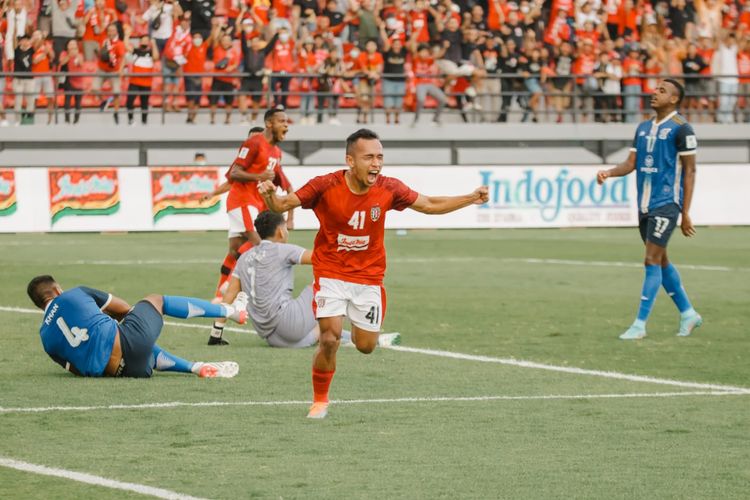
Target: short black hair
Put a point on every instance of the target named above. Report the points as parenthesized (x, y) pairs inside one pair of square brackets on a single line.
[(38, 288), (256, 130), (267, 222), (269, 114), (679, 87), (363, 133)]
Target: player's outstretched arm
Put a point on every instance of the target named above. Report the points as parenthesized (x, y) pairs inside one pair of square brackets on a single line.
[(688, 169), (435, 205), (276, 203), (623, 168), (220, 189), (239, 174), (117, 308)]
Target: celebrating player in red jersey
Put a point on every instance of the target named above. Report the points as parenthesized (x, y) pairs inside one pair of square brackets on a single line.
[(349, 256), (258, 159)]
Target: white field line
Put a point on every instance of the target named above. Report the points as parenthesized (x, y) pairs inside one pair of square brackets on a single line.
[(434, 399), (502, 361), (95, 480), (572, 370), (417, 260)]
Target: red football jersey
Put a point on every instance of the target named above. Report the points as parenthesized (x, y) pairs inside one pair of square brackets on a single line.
[(255, 155), (349, 244)]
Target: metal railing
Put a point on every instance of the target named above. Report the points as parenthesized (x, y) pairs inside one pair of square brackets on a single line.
[(577, 100)]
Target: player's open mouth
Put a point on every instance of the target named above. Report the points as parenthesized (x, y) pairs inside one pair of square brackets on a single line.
[(372, 175)]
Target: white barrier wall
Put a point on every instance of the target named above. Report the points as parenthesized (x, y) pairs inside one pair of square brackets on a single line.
[(166, 199)]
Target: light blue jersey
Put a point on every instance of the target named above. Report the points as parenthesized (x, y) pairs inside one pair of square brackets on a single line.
[(657, 148), (76, 332)]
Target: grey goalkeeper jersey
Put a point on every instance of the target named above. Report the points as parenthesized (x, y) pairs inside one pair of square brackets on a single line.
[(267, 276)]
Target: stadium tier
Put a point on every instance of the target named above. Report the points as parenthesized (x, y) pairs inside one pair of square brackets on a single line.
[(370, 60)]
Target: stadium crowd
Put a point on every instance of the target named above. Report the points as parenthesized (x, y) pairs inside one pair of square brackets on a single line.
[(550, 60)]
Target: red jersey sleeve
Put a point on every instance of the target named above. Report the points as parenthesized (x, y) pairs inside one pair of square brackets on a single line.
[(310, 193), (281, 179), (247, 154), (403, 195)]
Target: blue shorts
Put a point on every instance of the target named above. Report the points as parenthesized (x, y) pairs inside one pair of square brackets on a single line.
[(657, 225), (138, 333), (533, 86)]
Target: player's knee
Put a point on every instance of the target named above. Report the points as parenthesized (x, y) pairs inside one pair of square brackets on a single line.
[(328, 341), (366, 347), (156, 300)]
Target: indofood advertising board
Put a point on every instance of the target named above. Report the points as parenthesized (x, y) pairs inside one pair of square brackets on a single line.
[(170, 198)]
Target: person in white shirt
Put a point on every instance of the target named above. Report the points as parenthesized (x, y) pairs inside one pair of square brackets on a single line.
[(724, 66)]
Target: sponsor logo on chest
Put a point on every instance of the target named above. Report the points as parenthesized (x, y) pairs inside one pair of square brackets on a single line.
[(348, 243)]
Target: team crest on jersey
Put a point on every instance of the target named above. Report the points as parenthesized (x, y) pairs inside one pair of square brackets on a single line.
[(374, 213), (664, 133), (649, 161)]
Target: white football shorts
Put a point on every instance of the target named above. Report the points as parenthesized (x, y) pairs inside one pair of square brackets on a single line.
[(364, 305), (241, 220)]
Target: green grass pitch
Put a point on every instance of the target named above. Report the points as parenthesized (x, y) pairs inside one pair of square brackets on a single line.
[(559, 297)]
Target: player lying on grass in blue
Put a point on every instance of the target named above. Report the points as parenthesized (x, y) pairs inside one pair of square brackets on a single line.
[(80, 330), (266, 274)]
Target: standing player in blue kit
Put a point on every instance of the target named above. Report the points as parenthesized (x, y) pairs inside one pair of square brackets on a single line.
[(663, 156)]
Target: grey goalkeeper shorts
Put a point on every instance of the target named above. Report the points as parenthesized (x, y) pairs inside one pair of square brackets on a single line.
[(297, 324)]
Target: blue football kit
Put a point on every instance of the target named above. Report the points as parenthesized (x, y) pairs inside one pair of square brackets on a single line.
[(76, 332), (658, 147)]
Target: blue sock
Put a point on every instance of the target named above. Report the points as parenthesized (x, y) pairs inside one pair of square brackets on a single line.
[(190, 307), (166, 362), (651, 285), (673, 285)]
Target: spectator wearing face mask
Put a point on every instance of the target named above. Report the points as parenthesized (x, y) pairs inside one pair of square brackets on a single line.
[(282, 64), (226, 61), (195, 63), (142, 59)]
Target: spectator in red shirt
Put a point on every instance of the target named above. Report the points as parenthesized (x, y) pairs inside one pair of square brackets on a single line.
[(111, 60), (282, 64), (142, 57), (174, 59), (425, 73), (369, 67), (41, 63), (71, 61), (96, 22), (226, 60), (632, 67), (195, 63)]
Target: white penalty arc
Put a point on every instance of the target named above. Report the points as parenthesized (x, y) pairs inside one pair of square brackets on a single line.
[(82, 477)]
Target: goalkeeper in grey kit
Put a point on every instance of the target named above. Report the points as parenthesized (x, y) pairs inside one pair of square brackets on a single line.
[(266, 274)]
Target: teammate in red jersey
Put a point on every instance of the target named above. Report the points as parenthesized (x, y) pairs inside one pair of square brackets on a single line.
[(349, 256), (258, 159)]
